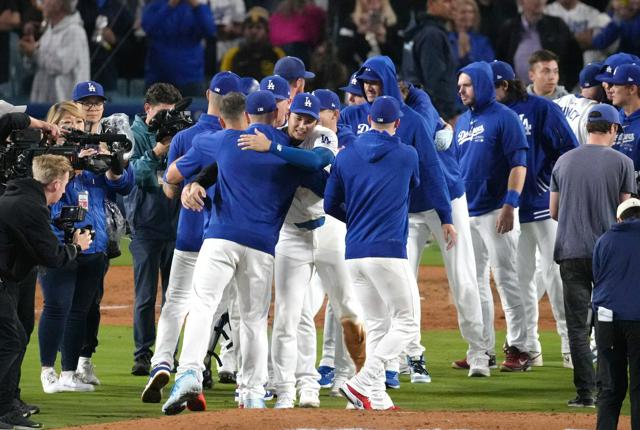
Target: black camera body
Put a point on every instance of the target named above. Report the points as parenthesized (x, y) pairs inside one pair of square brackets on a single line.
[(167, 123), (69, 215)]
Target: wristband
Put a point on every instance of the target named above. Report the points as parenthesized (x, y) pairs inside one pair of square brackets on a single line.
[(512, 199)]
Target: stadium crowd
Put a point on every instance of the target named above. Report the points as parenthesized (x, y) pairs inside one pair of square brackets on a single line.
[(519, 157)]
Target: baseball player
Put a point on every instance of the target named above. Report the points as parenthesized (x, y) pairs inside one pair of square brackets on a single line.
[(293, 70), (610, 64), (492, 152), (281, 91), (549, 136), (378, 77), (369, 190), (353, 91), (253, 193), (309, 243)]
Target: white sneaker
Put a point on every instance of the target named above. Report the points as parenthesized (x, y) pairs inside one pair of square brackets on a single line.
[(87, 372), (49, 379), (566, 360), (479, 367), (70, 381), (309, 399), (535, 357), (335, 388), (285, 401)]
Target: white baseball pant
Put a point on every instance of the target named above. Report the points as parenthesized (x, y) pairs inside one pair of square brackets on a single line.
[(219, 262), (306, 374), (540, 236), (328, 336), (461, 273), (498, 252)]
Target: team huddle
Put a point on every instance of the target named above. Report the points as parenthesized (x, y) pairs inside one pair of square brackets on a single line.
[(282, 186)]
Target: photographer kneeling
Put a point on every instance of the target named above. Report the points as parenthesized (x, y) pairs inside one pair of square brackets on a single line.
[(70, 291), (26, 240)]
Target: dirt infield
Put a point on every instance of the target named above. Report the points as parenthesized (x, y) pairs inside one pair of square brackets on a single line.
[(310, 419)]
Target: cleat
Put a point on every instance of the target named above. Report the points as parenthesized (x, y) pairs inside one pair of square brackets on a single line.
[(327, 376), (581, 402), (461, 364), (159, 377), (226, 377), (392, 379), (515, 361), (535, 357), (186, 389), (197, 404), (254, 404), (419, 372), (356, 398), (309, 399), (285, 401)]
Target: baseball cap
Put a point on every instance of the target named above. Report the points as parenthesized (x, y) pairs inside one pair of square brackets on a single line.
[(588, 75), (87, 89), (502, 71), (613, 61), (305, 103), (277, 85), (260, 102), (627, 204), (225, 82), (604, 112), (328, 99), (385, 109), (366, 74), (625, 74), (292, 68), (6, 108), (249, 85), (353, 87)]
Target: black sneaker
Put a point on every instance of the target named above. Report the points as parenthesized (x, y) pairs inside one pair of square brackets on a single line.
[(141, 366), (17, 421), (226, 377), (581, 402), (26, 409), (207, 377), (493, 364)]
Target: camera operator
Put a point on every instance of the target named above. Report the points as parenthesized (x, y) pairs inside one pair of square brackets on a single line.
[(13, 118), (26, 240), (70, 291)]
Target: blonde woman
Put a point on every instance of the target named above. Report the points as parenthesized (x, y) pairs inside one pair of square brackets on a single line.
[(66, 115), (466, 42)]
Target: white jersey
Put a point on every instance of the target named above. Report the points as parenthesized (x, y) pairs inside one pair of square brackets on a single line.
[(576, 110), (306, 205)]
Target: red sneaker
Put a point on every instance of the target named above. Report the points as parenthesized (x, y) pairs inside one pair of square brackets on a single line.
[(357, 399), (515, 361), (461, 364), (197, 404)]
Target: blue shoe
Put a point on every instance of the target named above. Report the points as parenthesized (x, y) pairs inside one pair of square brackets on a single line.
[(392, 379), (186, 388), (327, 375), (254, 404)]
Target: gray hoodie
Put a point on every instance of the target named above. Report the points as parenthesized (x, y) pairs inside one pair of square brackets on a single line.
[(61, 60), (559, 92)]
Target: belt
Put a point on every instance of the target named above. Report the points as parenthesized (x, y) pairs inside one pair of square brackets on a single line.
[(310, 225)]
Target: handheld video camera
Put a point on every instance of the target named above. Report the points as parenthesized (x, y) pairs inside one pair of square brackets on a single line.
[(69, 215), (167, 123)]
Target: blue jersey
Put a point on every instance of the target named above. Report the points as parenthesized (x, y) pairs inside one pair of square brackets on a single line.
[(369, 189), (190, 223), (549, 136), (628, 141), (345, 136), (490, 142), (432, 193)]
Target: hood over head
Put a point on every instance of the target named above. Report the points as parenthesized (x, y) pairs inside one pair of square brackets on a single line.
[(382, 67), (482, 79)]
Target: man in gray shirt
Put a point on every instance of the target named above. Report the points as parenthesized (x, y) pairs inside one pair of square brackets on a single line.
[(587, 184)]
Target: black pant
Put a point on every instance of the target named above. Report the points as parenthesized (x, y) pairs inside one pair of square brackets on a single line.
[(13, 344), (577, 282), (93, 319), (618, 349), (24, 295)]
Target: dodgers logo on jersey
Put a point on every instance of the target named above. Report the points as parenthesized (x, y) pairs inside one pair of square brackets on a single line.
[(307, 102), (526, 124), (475, 134), (362, 128), (324, 139), (270, 85)]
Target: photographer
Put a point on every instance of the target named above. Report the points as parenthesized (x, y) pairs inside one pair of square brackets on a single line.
[(13, 118), (70, 291), (26, 240)]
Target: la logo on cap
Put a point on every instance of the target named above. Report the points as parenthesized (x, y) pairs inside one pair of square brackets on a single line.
[(270, 85), (629, 79), (608, 69), (354, 81), (260, 109), (499, 76), (216, 89), (92, 87), (307, 102)]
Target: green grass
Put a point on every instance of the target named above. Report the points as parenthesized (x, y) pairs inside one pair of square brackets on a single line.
[(544, 389), (431, 255), (125, 258)]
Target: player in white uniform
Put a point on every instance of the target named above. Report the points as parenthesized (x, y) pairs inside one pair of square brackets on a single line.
[(309, 242)]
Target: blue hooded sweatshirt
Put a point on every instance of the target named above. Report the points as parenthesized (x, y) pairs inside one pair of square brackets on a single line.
[(616, 271), (368, 188), (490, 141), (549, 136), (628, 142), (432, 192), (190, 223), (345, 136)]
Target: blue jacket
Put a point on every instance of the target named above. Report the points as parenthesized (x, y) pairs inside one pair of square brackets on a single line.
[(345, 136), (481, 49), (368, 188), (175, 52), (99, 189), (432, 192), (616, 271), (549, 136), (190, 223), (628, 31), (628, 141), (150, 214), (490, 141)]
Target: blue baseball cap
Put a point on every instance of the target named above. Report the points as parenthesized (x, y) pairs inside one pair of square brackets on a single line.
[(277, 85), (291, 68), (260, 102), (588, 74), (613, 61), (385, 109), (625, 74), (604, 112), (328, 99), (502, 71), (353, 87), (367, 74), (305, 103), (225, 82), (249, 85), (87, 89)]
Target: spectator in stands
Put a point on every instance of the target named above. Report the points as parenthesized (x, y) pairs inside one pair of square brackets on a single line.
[(544, 74), (228, 15), (297, 26), (624, 27), (108, 23), (580, 18), (370, 30), (255, 57), (61, 56), (493, 14), (469, 45), (329, 70), (532, 31), (9, 21), (175, 53)]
